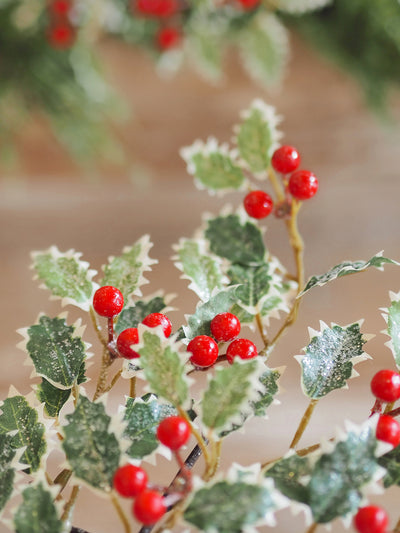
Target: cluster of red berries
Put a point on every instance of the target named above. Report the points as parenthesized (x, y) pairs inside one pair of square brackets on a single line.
[(249, 5), (385, 386), (131, 481), (61, 34), (168, 35), (224, 327), (300, 184)]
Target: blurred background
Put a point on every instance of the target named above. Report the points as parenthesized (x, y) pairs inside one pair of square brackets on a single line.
[(90, 161)]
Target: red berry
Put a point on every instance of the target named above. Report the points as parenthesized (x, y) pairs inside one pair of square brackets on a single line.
[(60, 7), (285, 159), (168, 38), (225, 327), (156, 8), (149, 507), (249, 4), (130, 480), (173, 432), (385, 385), (124, 343), (371, 519), (61, 36), (388, 430), (204, 350), (108, 301), (258, 204), (303, 184), (243, 348), (158, 319)]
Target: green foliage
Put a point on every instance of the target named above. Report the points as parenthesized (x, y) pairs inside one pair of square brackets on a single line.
[(131, 317), (289, 474), (269, 381), (37, 512), (52, 397), (391, 462), (7, 472), (392, 317)]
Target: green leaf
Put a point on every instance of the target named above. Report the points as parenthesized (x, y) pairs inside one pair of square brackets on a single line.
[(131, 317), (254, 283), (215, 507), (269, 381), (37, 512), (301, 6), (213, 166), (66, 276), (391, 462), (237, 242), (142, 416), (330, 358), (56, 350), (203, 270), (126, 271), (206, 47), (226, 399), (22, 419), (340, 477), (199, 322), (258, 136), (52, 397), (92, 449), (346, 268), (287, 475), (7, 472), (264, 47), (163, 367), (392, 317)]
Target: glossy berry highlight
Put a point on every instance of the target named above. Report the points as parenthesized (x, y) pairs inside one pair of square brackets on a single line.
[(388, 430), (130, 480), (204, 351), (108, 301), (371, 519), (158, 319), (173, 432), (149, 507), (285, 159), (243, 348), (303, 185), (225, 327), (258, 204), (125, 340), (385, 385)]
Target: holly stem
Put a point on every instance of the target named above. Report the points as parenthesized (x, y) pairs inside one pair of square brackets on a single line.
[(62, 479), (312, 528), (132, 387), (114, 381), (215, 460), (389, 407), (261, 329), (301, 453), (276, 185), (200, 440), (69, 506), (394, 412), (97, 326), (102, 379), (110, 329), (120, 513), (303, 423), (377, 407), (397, 527)]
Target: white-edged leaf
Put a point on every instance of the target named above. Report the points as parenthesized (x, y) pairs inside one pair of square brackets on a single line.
[(301, 6), (130, 317), (392, 318), (7, 471)]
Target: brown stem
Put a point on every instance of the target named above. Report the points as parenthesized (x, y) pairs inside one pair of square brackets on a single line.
[(200, 440), (132, 387), (261, 329), (68, 507), (120, 512), (389, 407), (110, 329), (276, 185), (62, 479), (303, 423), (102, 379), (97, 327), (397, 527), (114, 381), (312, 528), (394, 412)]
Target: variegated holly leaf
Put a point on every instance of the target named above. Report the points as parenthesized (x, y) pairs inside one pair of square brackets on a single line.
[(341, 476), (301, 6), (234, 504), (291, 476), (130, 317), (22, 420), (269, 305), (258, 136), (254, 283), (269, 382), (66, 276), (392, 317), (52, 397), (163, 366), (391, 462), (346, 268), (126, 271), (213, 166), (198, 266), (330, 359), (199, 322), (91, 447), (7, 471), (38, 512), (229, 393), (142, 417), (238, 242), (56, 350), (264, 47)]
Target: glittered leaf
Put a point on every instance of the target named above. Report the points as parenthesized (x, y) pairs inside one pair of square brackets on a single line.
[(257, 136), (287, 474), (203, 270), (301, 6), (330, 358), (238, 242), (255, 283), (142, 416), (130, 317), (163, 368), (346, 268), (37, 512), (92, 449), (66, 276), (269, 381), (229, 393), (392, 317), (205, 47), (391, 461), (7, 472), (56, 353), (20, 418), (213, 166), (52, 397), (126, 271), (339, 477)]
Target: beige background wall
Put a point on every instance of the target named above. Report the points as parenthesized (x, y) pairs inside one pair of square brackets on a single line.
[(51, 201)]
